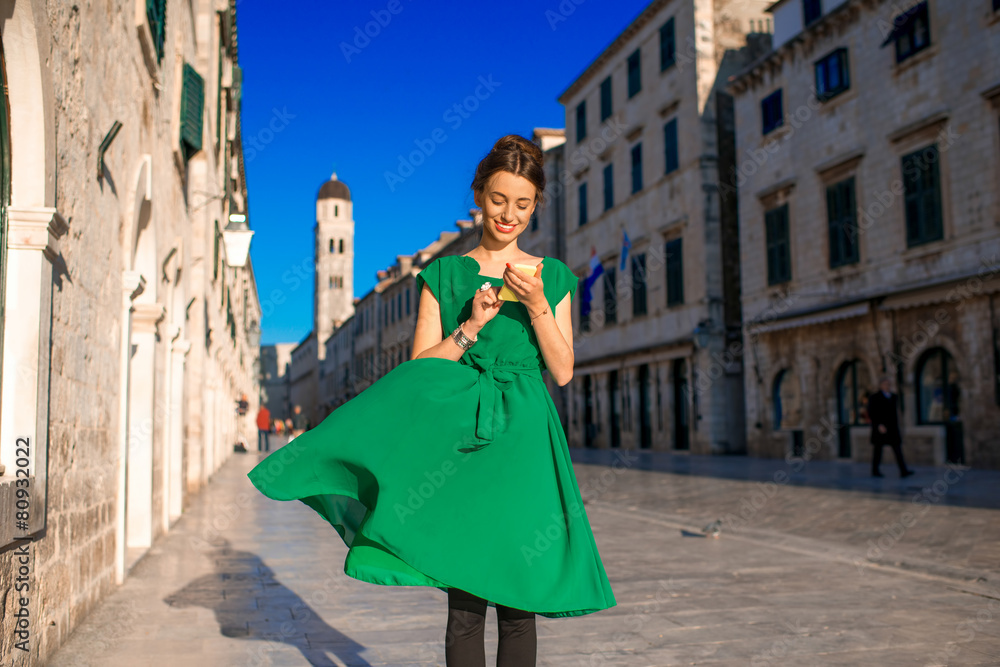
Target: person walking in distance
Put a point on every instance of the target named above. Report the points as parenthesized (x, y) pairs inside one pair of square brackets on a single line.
[(263, 428), (884, 413), (452, 469), (299, 421)]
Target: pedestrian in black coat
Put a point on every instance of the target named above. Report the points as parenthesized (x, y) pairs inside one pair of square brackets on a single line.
[(883, 411)]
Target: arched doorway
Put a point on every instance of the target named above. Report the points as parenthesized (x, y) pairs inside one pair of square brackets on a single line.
[(614, 398), (645, 409), (787, 402), (852, 403), (939, 399), (4, 192), (682, 421), (140, 315)]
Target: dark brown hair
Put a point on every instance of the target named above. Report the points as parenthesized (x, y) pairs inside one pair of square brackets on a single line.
[(516, 155)]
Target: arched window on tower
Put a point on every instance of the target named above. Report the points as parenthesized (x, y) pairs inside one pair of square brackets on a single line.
[(336, 210), (342, 246), (331, 245)]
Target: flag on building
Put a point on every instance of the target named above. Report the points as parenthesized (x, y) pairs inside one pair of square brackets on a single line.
[(596, 270), (626, 244)]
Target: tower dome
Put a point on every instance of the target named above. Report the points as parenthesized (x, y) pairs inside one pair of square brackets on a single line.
[(334, 189)]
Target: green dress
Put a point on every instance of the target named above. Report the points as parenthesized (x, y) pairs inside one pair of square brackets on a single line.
[(456, 473)]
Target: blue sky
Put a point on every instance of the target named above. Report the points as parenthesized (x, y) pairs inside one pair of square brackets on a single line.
[(312, 107)]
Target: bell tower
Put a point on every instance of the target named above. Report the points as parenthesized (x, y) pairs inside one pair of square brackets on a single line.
[(334, 292)]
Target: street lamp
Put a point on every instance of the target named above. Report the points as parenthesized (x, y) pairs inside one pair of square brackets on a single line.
[(236, 236)]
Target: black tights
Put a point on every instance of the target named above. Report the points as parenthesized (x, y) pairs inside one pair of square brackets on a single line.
[(464, 646)]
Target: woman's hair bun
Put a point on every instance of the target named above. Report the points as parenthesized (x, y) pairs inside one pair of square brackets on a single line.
[(514, 154)]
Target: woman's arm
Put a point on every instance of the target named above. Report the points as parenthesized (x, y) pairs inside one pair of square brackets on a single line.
[(555, 338), (428, 338)]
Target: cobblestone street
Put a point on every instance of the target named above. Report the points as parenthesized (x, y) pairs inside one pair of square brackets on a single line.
[(813, 566)]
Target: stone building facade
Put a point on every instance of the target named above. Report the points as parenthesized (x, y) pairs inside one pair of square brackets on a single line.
[(868, 174), (130, 313), (275, 381), (648, 132)]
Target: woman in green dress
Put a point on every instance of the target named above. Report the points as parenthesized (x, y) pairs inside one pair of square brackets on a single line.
[(452, 470)]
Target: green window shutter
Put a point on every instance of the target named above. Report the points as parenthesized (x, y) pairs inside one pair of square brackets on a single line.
[(779, 261), (675, 272), (606, 98), (192, 111), (237, 84), (156, 15), (922, 196), (842, 222)]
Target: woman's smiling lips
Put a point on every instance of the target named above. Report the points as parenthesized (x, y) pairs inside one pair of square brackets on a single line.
[(504, 228)]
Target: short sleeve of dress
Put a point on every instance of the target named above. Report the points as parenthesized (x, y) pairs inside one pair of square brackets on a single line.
[(431, 274), (570, 280), (560, 280)]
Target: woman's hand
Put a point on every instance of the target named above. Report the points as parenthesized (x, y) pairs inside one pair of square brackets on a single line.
[(530, 290), (485, 305)]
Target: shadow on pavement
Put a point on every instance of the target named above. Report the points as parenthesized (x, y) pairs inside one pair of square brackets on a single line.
[(250, 603)]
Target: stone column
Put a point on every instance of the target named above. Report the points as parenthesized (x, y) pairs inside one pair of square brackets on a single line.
[(175, 490), (133, 285), (32, 248), (139, 483)]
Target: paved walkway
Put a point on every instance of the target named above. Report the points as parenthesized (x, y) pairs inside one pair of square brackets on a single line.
[(799, 575)]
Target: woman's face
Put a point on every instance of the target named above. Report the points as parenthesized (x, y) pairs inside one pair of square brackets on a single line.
[(507, 203)]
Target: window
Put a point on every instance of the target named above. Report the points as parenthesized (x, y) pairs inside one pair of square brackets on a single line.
[(771, 111), (609, 187), (192, 105), (331, 282), (911, 32), (675, 272), (583, 203), (832, 77), (634, 78), (636, 168), (331, 245), (341, 246), (812, 10), (639, 284), (670, 146), (336, 210), (668, 45), (610, 297), (581, 120), (605, 99), (779, 259), (922, 194), (842, 221), (938, 392), (156, 15)]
